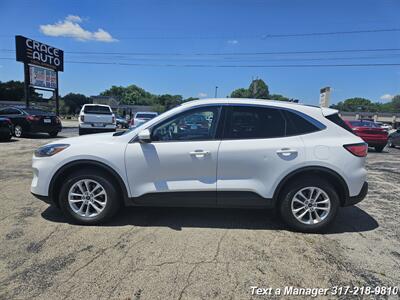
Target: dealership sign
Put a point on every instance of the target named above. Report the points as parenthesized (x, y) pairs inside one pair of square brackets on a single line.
[(33, 52), (42, 77)]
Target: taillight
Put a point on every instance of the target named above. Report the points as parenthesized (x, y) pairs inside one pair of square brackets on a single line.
[(9, 121), (133, 121), (82, 118), (113, 120), (58, 120), (32, 118), (359, 150)]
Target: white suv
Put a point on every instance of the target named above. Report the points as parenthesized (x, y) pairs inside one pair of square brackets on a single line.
[(95, 118), (302, 160)]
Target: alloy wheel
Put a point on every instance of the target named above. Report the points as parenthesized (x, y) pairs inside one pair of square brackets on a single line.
[(311, 205), (18, 131), (87, 198)]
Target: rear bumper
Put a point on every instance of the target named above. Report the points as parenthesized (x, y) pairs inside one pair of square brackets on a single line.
[(45, 128), (373, 141), (358, 198)]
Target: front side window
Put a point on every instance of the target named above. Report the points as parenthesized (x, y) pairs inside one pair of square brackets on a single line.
[(196, 124), (247, 122)]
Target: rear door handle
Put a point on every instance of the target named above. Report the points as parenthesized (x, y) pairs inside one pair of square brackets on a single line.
[(199, 153), (286, 151)]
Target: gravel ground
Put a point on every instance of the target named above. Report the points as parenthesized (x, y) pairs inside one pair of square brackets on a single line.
[(165, 253)]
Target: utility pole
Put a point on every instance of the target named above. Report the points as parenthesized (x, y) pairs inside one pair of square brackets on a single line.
[(216, 92)]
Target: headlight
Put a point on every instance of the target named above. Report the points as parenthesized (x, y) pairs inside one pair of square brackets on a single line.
[(50, 150)]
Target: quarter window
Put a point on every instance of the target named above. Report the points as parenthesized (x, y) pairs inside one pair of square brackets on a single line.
[(196, 124), (296, 124)]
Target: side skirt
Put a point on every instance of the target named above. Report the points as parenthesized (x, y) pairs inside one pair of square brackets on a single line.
[(232, 199)]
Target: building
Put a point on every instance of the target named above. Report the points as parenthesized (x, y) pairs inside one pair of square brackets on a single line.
[(384, 117)]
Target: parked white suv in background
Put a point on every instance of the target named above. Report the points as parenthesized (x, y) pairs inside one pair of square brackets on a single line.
[(141, 118), (94, 118), (302, 160)]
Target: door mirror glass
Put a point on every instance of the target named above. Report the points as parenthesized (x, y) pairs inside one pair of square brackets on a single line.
[(144, 136)]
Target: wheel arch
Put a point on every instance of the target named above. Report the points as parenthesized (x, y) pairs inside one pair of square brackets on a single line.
[(69, 168), (312, 171)]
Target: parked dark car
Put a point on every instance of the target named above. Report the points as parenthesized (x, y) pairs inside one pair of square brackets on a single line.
[(31, 120), (371, 133), (394, 139), (6, 129), (121, 121)]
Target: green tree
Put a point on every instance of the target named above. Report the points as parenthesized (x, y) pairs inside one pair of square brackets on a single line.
[(240, 93), (395, 103), (74, 102), (278, 97), (169, 101), (355, 104), (258, 89)]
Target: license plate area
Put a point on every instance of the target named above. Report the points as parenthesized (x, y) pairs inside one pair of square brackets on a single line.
[(47, 121), (98, 124)]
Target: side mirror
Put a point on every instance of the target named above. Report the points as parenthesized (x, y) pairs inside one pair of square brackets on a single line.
[(144, 136)]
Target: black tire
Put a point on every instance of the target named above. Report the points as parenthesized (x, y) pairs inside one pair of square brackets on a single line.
[(112, 204), (379, 148), (18, 131), (53, 134), (290, 191)]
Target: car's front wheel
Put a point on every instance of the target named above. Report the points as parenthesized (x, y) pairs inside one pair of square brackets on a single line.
[(89, 197), (309, 205)]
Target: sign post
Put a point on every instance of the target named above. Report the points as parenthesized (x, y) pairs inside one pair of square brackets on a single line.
[(324, 96), (41, 66)]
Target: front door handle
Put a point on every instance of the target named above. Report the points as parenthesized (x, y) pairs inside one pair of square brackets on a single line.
[(199, 153)]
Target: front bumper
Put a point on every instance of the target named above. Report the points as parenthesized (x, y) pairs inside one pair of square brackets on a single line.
[(45, 199), (358, 198)]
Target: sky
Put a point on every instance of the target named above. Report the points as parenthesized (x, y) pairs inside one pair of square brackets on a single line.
[(190, 47)]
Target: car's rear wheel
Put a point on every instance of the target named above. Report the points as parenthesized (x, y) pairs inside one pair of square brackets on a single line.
[(53, 133), (18, 131), (309, 205), (379, 148), (89, 197)]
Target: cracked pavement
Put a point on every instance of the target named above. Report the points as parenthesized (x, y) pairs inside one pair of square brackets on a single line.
[(180, 253)]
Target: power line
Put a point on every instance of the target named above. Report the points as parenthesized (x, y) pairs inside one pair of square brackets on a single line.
[(229, 66), (260, 36), (227, 53)]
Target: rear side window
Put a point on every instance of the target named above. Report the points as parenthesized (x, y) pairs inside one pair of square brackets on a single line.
[(97, 109), (339, 121), (246, 122), (296, 124)]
